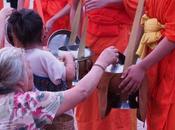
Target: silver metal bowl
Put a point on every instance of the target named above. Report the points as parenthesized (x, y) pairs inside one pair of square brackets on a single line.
[(58, 39), (73, 49)]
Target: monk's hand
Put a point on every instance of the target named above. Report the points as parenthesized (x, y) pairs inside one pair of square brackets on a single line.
[(95, 4), (132, 79), (49, 25), (5, 12)]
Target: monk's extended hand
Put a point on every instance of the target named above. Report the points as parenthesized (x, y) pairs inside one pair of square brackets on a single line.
[(95, 4), (132, 79)]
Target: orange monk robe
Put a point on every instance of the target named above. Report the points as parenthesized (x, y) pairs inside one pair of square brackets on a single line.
[(1, 4), (48, 8), (107, 26), (161, 102)]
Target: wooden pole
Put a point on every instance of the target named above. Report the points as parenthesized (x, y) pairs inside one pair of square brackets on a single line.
[(135, 36)]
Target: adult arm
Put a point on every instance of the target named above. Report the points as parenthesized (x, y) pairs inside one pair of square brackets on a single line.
[(58, 15), (87, 85), (133, 77)]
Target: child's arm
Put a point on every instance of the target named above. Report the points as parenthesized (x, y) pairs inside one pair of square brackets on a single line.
[(58, 15), (134, 75), (70, 66)]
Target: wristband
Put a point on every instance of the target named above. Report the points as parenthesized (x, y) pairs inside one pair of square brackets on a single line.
[(103, 68)]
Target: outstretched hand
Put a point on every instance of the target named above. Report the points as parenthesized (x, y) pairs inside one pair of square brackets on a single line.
[(132, 79), (108, 56)]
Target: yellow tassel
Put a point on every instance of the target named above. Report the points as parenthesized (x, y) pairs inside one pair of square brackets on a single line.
[(152, 34)]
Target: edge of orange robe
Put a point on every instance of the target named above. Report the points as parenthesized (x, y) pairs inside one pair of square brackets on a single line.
[(87, 112), (1, 4), (37, 7), (161, 92)]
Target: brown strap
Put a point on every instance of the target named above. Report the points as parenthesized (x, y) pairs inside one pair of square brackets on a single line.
[(143, 92), (76, 22), (133, 119), (81, 52), (131, 57)]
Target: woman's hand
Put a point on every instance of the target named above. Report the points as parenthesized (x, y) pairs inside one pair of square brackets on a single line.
[(108, 56), (5, 12), (132, 79)]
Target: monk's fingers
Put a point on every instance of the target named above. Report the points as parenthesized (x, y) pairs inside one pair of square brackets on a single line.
[(90, 7), (91, 4), (86, 2), (124, 74), (132, 88), (124, 82), (136, 88), (128, 87)]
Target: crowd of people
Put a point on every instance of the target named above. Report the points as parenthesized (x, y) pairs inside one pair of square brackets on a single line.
[(34, 84)]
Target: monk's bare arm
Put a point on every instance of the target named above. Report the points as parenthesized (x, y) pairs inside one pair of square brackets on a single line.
[(164, 48), (134, 76), (62, 12), (58, 15), (20, 4)]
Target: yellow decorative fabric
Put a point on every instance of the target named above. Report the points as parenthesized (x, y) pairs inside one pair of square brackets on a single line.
[(152, 34)]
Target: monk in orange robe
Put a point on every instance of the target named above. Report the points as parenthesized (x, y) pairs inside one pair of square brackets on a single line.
[(55, 13), (158, 60), (109, 24)]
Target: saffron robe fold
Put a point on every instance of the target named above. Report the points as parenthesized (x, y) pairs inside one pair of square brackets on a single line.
[(161, 108), (48, 8), (110, 25)]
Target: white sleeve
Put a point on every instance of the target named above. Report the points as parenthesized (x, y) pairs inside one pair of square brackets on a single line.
[(55, 68)]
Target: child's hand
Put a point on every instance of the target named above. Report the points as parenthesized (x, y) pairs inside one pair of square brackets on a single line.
[(6, 12), (132, 79), (66, 57)]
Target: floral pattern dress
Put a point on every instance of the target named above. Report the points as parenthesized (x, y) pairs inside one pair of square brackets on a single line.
[(29, 110)]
